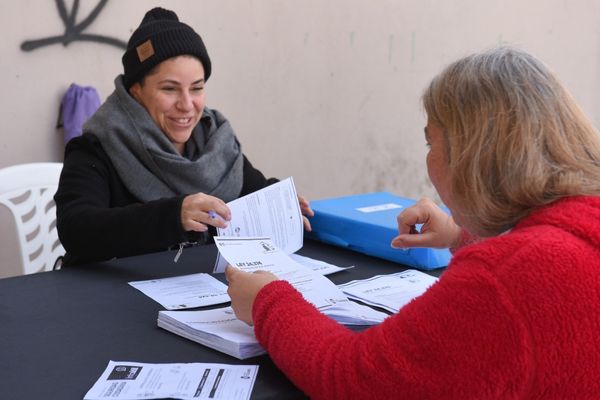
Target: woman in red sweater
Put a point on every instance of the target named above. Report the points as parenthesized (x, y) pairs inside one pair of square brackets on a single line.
[(517, 312)]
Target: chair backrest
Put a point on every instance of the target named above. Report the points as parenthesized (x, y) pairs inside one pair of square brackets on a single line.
[(28, 190)]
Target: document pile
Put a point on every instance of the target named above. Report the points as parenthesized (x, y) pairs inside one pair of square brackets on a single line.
[(218, 329), (390, 292), (251, 254)]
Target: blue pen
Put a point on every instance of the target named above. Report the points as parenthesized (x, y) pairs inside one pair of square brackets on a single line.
[(214, 215)]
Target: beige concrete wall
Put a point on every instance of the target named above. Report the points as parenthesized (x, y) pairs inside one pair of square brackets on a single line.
[(326, 91)]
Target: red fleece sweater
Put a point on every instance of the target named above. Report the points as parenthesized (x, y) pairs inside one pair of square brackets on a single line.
[(513, 317)]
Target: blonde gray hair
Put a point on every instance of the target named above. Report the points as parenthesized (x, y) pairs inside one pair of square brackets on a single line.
[(516, 139)]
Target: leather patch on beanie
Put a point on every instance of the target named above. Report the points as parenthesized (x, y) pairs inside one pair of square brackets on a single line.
[(145, 50)]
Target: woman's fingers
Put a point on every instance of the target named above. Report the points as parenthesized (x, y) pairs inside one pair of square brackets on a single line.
[(438, 228), (199, 210)]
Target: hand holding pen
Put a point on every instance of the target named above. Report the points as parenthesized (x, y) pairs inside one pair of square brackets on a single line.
[(200, 210)]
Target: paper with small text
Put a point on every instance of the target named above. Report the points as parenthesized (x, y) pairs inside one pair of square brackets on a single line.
[(133, 380)]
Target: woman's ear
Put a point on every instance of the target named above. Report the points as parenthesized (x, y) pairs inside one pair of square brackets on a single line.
[(135, 92)]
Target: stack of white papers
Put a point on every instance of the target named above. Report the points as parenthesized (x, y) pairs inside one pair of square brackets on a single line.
[(390, 292), (218, 329)]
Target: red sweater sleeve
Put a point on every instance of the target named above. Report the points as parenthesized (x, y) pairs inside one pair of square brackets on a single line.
[(446, 344)]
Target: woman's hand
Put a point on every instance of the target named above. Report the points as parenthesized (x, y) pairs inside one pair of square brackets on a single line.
[(243, 288), (200, 210), (306, 212), (438, 231)]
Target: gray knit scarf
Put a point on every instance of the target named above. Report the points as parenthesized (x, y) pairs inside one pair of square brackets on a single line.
[(149, 165)]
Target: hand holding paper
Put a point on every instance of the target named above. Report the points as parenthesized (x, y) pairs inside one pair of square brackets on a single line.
[(196, 209), (243, 289)]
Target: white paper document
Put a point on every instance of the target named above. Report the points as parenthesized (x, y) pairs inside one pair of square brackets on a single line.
[(319, 266), (218, 329), (187, 291), (132, 380), (252, 254), (272, 212), (390, 292)]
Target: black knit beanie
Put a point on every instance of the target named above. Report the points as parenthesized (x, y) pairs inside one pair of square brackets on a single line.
[(160, 36)]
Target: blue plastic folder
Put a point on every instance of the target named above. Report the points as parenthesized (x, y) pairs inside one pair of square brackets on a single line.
[(367, 223)]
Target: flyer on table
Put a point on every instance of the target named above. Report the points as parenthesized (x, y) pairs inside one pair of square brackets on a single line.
[(133, 380)]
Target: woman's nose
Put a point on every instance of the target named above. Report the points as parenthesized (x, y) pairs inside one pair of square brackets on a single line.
[(185, 101)]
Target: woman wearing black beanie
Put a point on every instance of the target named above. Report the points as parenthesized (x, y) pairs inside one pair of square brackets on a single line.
[(153, 160)]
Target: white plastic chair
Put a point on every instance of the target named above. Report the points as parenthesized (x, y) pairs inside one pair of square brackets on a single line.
[(28, 190)]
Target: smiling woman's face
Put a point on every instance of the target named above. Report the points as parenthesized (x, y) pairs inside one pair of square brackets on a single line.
[(173, 95)]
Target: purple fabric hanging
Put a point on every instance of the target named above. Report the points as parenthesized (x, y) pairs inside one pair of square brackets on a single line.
[(78, 104)]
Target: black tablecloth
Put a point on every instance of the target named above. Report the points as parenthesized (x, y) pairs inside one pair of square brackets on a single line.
[(58, 330)]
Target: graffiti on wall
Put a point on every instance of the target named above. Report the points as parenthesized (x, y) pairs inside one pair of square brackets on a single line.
[(74, 31)]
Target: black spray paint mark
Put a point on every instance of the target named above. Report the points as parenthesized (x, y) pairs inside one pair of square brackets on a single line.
[(73, 31)]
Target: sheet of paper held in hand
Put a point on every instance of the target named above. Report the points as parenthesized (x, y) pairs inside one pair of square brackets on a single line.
[(390, 292), (133, 380), (260, 253), (187, 291), (270, 212)]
